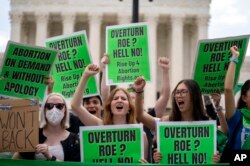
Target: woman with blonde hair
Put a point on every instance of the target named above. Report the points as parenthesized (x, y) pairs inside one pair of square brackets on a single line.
[(55, 142), (118, 108)]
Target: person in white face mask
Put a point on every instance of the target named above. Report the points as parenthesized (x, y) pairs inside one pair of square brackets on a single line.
[(56, 143)]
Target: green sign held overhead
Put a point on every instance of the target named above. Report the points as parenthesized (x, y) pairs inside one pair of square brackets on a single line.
[(128, 50), (112, 144), (24, 69), (186, 143), (213, 57), (74, 56)]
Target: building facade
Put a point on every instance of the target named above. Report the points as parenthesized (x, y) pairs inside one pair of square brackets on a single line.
[(175, 26)]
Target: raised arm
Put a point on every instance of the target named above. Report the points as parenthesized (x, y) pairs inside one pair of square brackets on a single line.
[(161, 103), (223, 123), (76, 103), (105, 89), (142, 116), (221, 116), (50, 84), (229, 82)]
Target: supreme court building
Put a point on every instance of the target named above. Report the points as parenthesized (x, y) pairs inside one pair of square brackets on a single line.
[(174, 29)]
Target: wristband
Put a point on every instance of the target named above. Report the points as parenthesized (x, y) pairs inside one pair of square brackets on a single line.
[(234, 59)]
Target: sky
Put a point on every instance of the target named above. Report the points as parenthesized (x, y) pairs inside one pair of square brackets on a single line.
[(228, 18)]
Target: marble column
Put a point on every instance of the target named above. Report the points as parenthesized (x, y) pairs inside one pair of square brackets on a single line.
[(124, 18), (16, 26), (95, 36), (150, 90), (202, 26), (193, 47), (41, 28), (68, 20), (176, 50), (95, 21)]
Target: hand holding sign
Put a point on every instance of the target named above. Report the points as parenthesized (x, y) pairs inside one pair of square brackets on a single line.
[(43, 148), (216, 157), (157, 157)]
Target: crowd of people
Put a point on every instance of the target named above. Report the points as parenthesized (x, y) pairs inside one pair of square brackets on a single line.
[(59, 127)]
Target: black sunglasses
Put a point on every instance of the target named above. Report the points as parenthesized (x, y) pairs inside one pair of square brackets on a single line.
[(59, 106)]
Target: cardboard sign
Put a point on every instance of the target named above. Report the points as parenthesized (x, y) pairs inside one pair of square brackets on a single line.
[(185, 143), (74, 56), (213, 58), (128, 50), (18, 125), (24, 69), (112, 144)]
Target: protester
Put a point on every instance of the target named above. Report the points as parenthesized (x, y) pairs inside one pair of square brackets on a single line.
[(160, 106), (238, 118), (119, 108), (187, 105), (55, 142), (93, 104), (161, 103)]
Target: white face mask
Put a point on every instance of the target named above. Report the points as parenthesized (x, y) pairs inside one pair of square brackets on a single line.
[(54, 116)]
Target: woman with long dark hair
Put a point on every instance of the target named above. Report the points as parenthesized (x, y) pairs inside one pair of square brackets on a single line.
[(187, 105)]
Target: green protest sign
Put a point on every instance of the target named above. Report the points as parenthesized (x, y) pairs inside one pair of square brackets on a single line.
[(74, 56), (184, 143), (213, 57), (112, 144), (238, 88), (23, 70), (127, 47)]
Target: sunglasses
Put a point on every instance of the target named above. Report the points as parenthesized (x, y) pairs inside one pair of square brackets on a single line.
[(59, 106)]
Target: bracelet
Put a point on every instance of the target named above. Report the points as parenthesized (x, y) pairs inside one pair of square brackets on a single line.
[(234, 59), (139, 91)]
